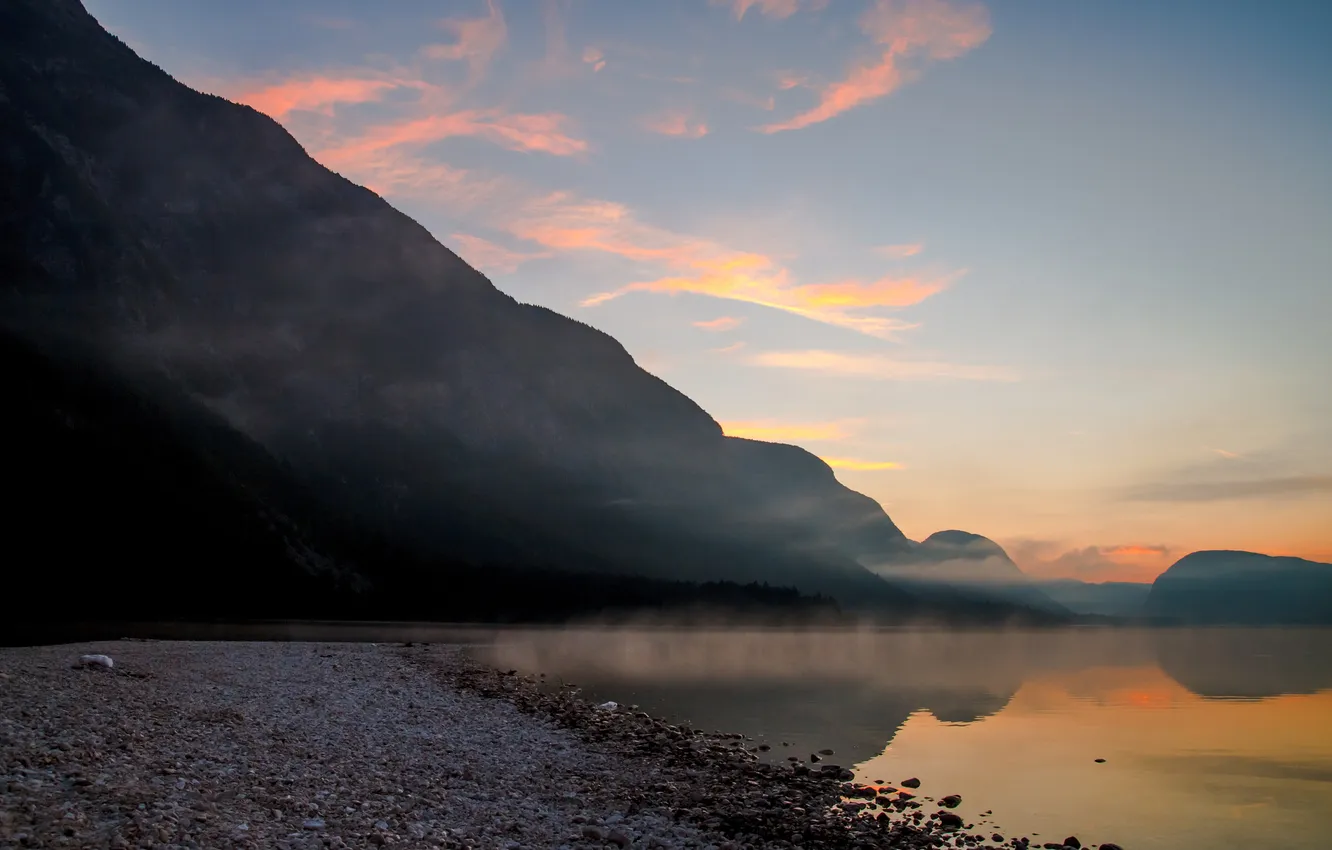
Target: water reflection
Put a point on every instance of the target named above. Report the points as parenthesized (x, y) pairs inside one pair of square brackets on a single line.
[(1209, 737)]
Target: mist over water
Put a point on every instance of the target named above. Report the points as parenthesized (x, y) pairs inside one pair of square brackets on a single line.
[(1211, 737)]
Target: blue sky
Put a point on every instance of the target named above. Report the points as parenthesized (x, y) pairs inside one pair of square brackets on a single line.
[(1054, 272)]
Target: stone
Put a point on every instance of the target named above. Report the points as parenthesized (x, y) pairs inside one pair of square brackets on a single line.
[(913, 782), (1072, 841), (951, 801)]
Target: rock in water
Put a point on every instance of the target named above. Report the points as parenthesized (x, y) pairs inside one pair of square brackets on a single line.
[(913, 782)]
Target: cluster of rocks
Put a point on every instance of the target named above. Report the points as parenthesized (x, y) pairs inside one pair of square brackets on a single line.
[(718, 781), (296, 746)]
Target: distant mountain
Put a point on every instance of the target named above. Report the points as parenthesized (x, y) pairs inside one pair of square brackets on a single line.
[(1243, 588), (189, 247), (1102, 599), (959, 562)]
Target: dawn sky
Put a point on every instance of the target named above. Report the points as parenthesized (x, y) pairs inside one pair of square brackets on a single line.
[(1054, 272)]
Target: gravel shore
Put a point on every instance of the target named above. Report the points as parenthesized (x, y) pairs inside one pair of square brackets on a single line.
[(301, 745)]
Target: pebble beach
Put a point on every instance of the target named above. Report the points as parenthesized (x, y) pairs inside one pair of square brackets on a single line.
[(312, 745)]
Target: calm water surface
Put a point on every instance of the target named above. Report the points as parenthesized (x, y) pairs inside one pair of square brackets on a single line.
[(1211, 738)]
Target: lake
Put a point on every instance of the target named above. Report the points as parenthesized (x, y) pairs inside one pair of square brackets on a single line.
[(1210, 738)]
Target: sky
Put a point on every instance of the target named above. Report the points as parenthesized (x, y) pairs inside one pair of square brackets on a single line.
[(1054, 272)]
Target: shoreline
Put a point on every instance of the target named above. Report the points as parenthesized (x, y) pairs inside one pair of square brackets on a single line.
[(18, 634), (312, 745)]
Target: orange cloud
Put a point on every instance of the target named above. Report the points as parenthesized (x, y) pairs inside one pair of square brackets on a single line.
[(1134, 552), (702, 267), (488, 256), (320, 94), (1227, 455), (878, 367), (785, 432), (899, 252), (721, 323), (787, 80), (729, 349), (932, 29), (476, 40), (860, 465), (1124, 562), (676, 124), (540, 132)]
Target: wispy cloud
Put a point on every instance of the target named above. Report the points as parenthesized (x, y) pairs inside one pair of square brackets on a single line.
[(562, 221), (676, 124), (787, 80), (1232, 490), (903, 29), (489, 256), (878, 367), (860, 465), (721, 323), (778, 9), (776, 431), (543, 133), (899, 252), (729, 349), (1227, 455), (475, 40), (320, 93), (594, 57)]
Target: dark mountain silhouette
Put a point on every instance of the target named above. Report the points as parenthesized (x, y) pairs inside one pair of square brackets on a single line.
[(191, 248), (962, 563), (1102, 599), (1242, 588)]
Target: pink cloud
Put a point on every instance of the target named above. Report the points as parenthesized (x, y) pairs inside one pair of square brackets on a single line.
[(721, 323), (488, 256), (594, 57), (321, 93), (476, 40), (542, 132), (928, 29), (900, 252), (676, 124)]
